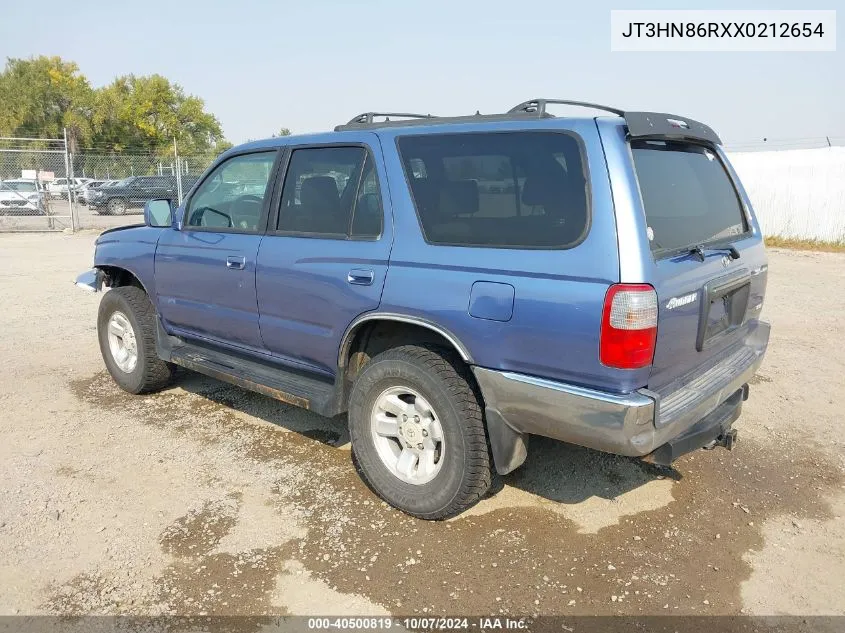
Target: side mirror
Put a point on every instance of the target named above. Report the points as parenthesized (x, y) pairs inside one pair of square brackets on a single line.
[(158, 213)]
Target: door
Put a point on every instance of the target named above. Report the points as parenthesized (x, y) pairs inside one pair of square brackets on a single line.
[(324, 261), (205, 271), (709, 270)]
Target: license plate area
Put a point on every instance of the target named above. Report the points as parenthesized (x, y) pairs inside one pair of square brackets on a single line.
[(723, 308)]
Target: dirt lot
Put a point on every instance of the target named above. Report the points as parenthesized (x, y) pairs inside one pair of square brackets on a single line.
[(209, 499)]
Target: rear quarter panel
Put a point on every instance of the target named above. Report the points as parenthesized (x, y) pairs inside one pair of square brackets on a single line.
[(553, 331)]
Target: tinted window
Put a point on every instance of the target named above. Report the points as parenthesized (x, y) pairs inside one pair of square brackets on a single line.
[(367, 214), (687, 194), (233, 195), (331, 191), (516, 189)]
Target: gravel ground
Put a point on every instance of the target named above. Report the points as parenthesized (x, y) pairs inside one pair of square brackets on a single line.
[(207, 499)]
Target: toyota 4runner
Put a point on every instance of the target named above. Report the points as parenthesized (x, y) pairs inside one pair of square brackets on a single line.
[(456, 285)]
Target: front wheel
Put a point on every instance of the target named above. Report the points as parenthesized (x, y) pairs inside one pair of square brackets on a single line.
[(417, 432), (126, 329)]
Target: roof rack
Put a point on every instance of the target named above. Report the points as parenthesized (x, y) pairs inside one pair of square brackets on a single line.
[(538, 106), (641, 125), (367, 118)]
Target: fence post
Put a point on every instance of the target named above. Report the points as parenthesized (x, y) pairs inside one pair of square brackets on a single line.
[(178, 172), (68, 176)]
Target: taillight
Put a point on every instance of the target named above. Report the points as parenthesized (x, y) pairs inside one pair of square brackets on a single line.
[(628, 326)]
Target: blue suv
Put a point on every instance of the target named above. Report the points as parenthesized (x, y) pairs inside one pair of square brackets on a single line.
[(456, 285)]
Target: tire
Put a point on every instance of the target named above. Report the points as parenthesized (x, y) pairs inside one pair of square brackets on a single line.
[(129, 306), (117, 206), (434, 379)]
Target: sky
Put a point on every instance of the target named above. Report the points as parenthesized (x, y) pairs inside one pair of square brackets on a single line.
[(309, 65)]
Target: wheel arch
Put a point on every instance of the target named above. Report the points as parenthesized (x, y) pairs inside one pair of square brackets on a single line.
[(117, 276), (374, 332), (369, 320)]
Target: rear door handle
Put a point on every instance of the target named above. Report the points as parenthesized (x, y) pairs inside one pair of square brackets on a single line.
[(233, 262), (360, 277)]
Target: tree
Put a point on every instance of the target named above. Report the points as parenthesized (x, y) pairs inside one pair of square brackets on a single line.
[(282, 132), (147, 113), (41, 96)]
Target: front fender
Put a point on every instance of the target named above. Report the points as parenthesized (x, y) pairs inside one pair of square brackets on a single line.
[(132, 249)]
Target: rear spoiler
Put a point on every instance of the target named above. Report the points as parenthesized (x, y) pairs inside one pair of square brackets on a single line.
[(641, 125), (659, 125)]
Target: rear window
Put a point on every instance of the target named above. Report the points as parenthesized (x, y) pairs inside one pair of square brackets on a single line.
[(499, 190), (688, 196)]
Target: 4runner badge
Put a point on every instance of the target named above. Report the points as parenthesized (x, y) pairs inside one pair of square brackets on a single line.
[(677, 302)]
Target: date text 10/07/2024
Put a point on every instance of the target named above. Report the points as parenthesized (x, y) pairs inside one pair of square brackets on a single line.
[(419, 623)]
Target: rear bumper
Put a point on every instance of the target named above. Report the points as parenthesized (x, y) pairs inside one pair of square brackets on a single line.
[(634, 424)]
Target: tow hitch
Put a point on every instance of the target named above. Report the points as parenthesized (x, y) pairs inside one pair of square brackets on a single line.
[(725, 440), (708, 433)]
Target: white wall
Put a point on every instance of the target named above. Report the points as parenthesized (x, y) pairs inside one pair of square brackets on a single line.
[(797, 193)]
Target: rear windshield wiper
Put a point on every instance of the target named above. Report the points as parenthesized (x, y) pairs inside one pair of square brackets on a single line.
[(698, 251)]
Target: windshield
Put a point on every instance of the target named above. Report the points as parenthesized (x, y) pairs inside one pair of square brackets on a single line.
[(125, 182), (18, 186), (688, 196)]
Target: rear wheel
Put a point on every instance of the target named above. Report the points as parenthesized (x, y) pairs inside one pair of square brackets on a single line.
[(417, 432), (117, 206), (126, 330)]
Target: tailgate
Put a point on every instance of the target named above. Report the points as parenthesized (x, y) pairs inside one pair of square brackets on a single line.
[(710, 268)]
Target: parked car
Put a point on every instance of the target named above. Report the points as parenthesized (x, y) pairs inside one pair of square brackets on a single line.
[(606, 292), (21, 196), (83, 191), (134, 192), (58, 188)]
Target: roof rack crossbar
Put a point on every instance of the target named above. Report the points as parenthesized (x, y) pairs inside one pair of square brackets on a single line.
[(538, 106), (367, 117)]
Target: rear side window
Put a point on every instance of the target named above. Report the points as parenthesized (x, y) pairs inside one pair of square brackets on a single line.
[(689, 198), (500, 190), (331, 192)]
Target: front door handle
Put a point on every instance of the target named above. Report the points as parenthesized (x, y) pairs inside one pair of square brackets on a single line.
[(233, 262), (360, 277)]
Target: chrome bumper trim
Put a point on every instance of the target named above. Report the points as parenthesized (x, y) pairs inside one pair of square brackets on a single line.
[(90, 280)]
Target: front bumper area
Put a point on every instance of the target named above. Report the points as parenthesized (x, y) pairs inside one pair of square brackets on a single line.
[(634, 424), (90, 280)]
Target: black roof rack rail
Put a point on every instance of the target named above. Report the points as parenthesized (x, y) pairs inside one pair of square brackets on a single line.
[(538, 106), (641, 125), (367, 118)]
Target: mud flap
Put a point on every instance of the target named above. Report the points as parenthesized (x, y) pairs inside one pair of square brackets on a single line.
[(509, 447)]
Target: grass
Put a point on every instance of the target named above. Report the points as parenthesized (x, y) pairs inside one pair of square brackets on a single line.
[(805, 245)]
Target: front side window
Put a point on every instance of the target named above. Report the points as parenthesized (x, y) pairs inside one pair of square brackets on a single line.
[(232, 197), (499, 190), (331, 192)]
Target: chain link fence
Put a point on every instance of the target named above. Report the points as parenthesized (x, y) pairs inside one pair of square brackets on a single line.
[(30, 171), (46, 187)]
